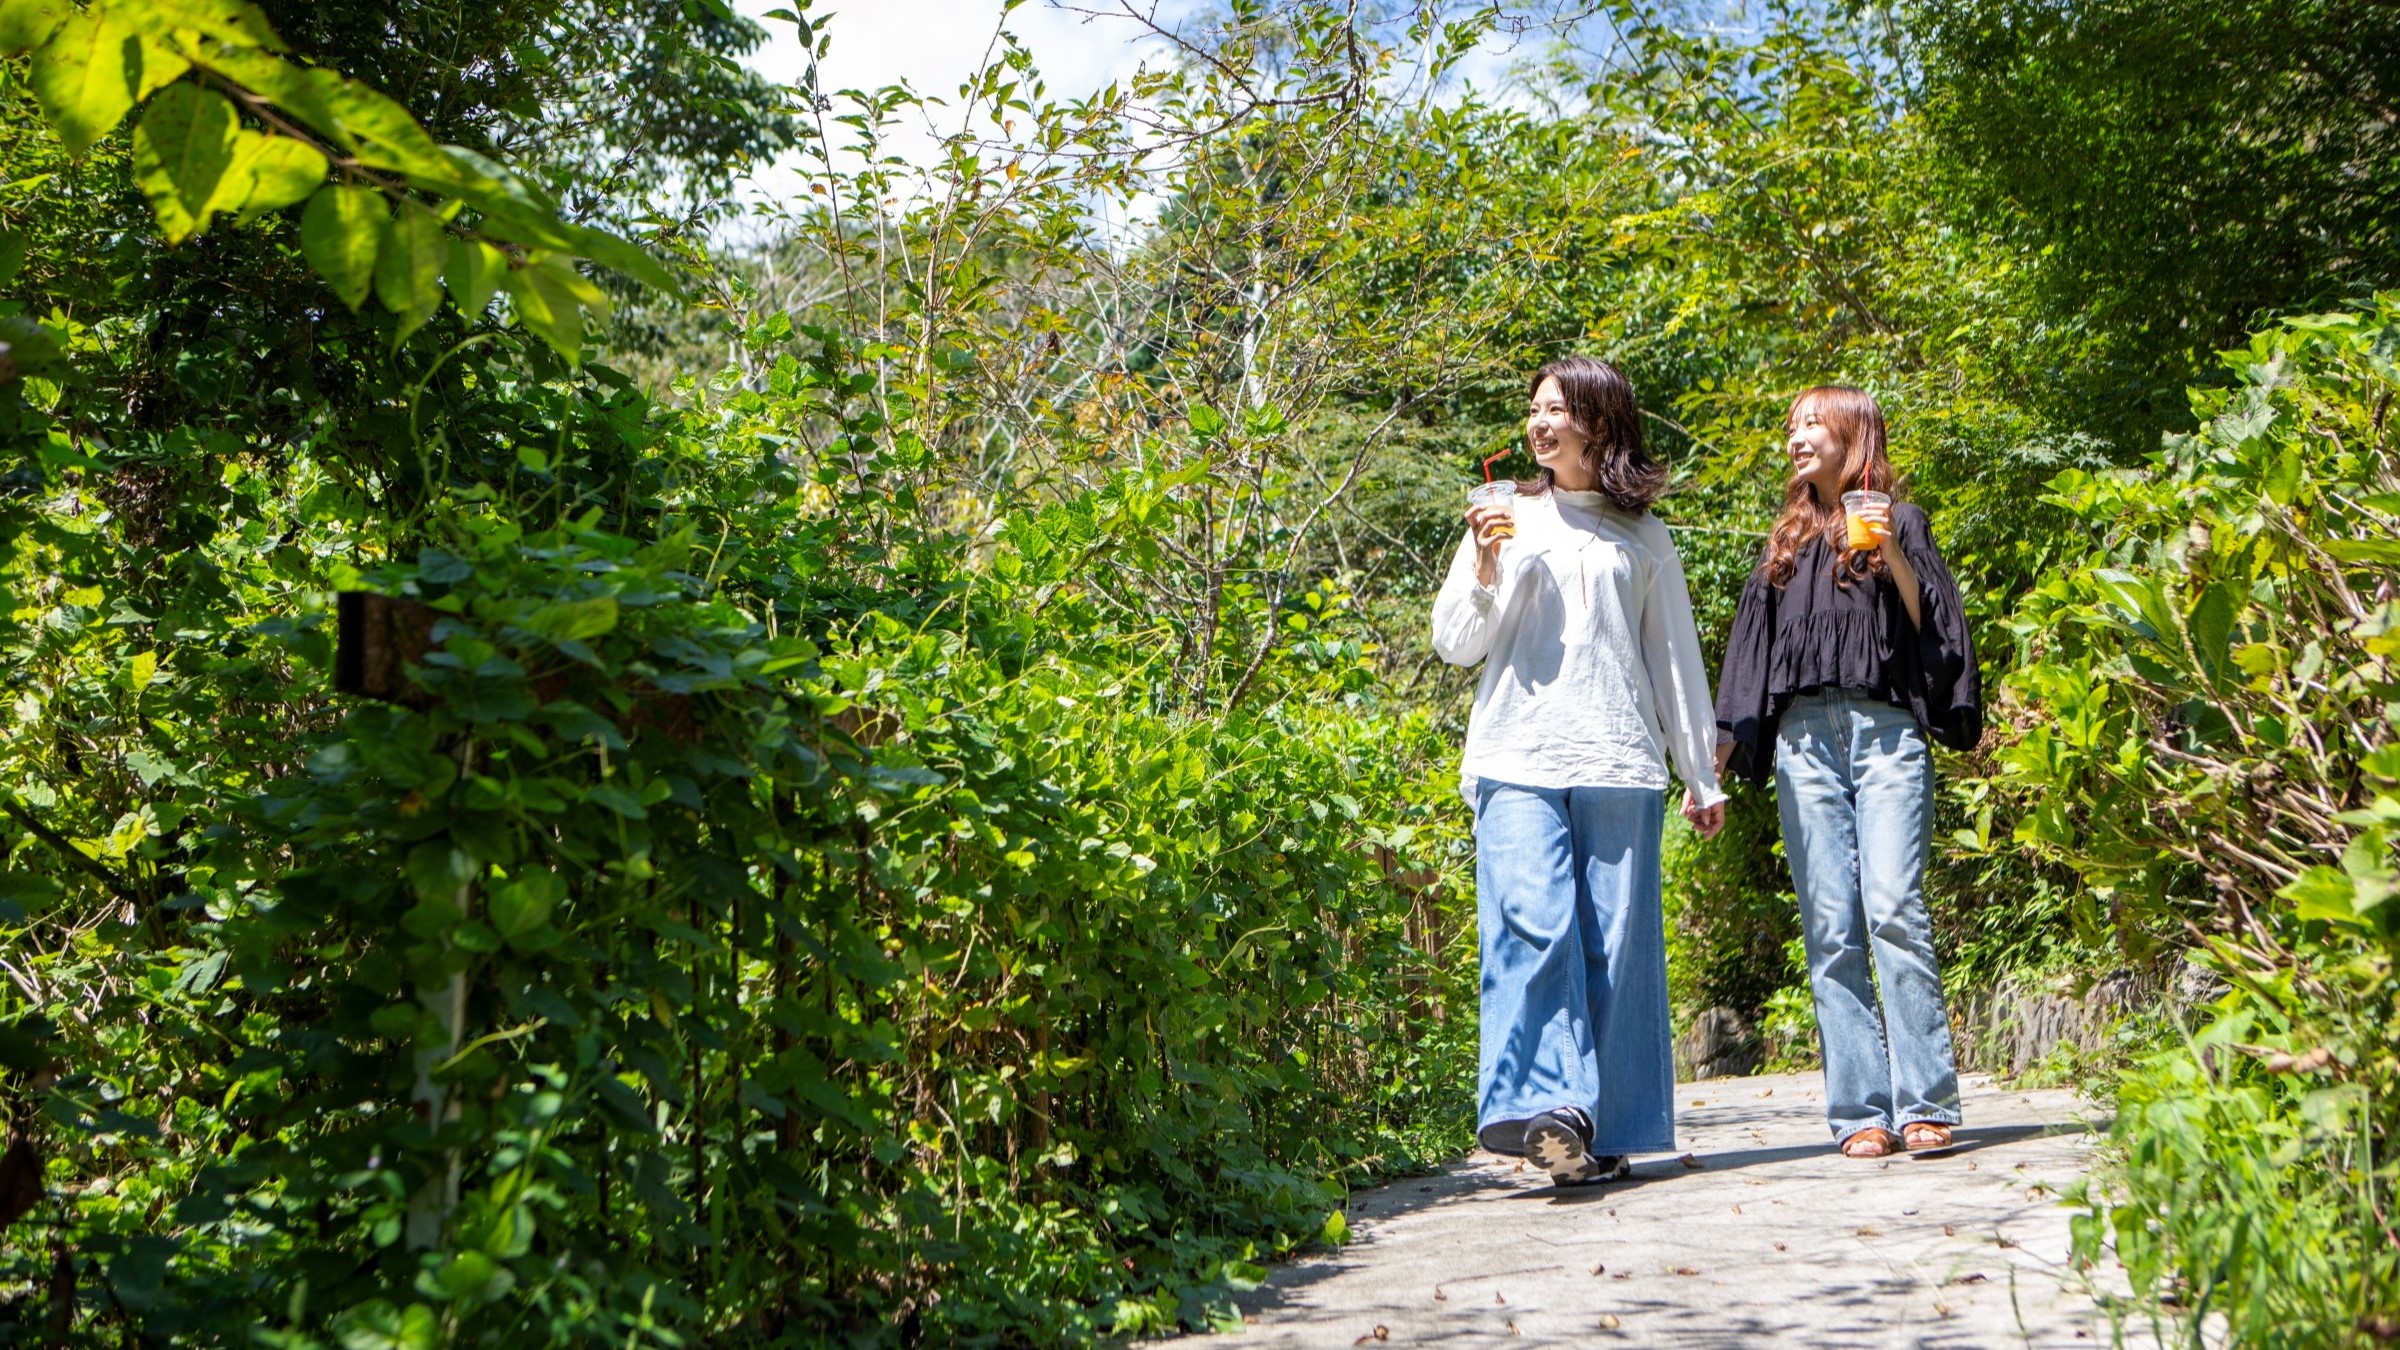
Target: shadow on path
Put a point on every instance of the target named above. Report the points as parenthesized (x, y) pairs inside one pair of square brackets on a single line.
[(1966, 1139)]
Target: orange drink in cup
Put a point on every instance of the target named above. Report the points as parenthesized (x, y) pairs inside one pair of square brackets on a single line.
[(1501, 497), (1864, 536)]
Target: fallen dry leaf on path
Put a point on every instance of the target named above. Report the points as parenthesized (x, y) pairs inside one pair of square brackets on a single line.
[(1976, 1278), (1498, 1297), (1768, 1093), (1689, 1161), (1685, 1270), (1737, 1209), (1948, 1231), (1870, 1231), (1608, 1322), (1599, 1270), (1779, 1246)]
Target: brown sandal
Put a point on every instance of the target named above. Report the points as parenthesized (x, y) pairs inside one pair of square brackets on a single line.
[(1871, 1142), (1919, 1136)]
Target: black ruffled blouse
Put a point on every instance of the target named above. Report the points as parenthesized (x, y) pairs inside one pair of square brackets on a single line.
[(1816, 633)]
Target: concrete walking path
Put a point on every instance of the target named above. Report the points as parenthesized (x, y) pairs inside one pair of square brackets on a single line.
[(1773, 1239)]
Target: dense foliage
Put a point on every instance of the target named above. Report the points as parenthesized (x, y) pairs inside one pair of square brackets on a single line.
[(2216, 745), (792, 900), (913, 806)]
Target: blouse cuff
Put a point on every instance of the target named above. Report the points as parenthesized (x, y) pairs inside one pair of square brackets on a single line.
[(1484, 596)]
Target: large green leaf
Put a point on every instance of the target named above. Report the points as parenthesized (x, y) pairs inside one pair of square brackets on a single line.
[(408, 268), (383, 136), (550, 298), (234, 23), (340, 233), (2210, 627), (27, 24), (160, 66), (2325, 893), (474, 274), (276, 171), (83, 77), (298, 90), (181, 150), (2364, 550), (620, 256)]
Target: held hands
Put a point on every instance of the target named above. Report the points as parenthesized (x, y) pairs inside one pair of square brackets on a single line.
[(1706, 819), (1490, 525)]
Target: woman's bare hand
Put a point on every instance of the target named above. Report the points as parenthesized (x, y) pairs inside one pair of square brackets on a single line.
[(1490, 525), (1877, 517), (1706, 819)]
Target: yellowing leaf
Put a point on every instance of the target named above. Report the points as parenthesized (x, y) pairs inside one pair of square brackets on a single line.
[(160, 65), (141, 670), (474, 273), (299, 91), (340, 233), (277, 171), (234, 23), (181, 150), (27, 24), (83, 78), (408, 269), (383, 135)]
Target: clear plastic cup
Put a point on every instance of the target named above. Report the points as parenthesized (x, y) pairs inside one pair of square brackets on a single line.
[(1864, 536), (1501, 497)]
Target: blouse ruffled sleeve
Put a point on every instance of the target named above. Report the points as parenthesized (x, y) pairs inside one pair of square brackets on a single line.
[(1949, 684), (1742, 695), (1466, 612)]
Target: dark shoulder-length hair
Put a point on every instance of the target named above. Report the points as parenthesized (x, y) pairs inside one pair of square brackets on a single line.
[(1600, 403), (1857, 423)]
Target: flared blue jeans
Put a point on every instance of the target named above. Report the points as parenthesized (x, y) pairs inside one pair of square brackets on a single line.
[(1854, 785), (1574, 960)]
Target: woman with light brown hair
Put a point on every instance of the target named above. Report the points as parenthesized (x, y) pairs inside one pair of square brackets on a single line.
[(1850, 650)]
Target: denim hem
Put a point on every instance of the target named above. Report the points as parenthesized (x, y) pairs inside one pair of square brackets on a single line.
[(1622, 1150), (1950, 1119)]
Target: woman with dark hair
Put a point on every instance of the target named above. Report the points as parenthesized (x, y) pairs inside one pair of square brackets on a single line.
[(1572, 596), (1849, 651)]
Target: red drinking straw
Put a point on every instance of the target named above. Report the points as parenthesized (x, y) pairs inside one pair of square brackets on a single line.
[(1487, 464)]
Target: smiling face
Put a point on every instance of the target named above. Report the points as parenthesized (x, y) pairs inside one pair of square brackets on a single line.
[(1556, 443), (1816, 452)]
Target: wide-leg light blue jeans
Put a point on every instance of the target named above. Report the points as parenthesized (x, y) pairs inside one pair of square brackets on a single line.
[(1854, 785), (1575, 960)]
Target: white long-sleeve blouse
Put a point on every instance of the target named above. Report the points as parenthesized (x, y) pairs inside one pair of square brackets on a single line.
[(1592, 673)]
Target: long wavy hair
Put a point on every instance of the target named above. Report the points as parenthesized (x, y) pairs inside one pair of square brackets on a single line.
[(1857, 426), (1600, 404)]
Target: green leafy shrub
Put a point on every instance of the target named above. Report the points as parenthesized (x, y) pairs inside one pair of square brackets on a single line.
[(2205, 733), (666, 977)]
